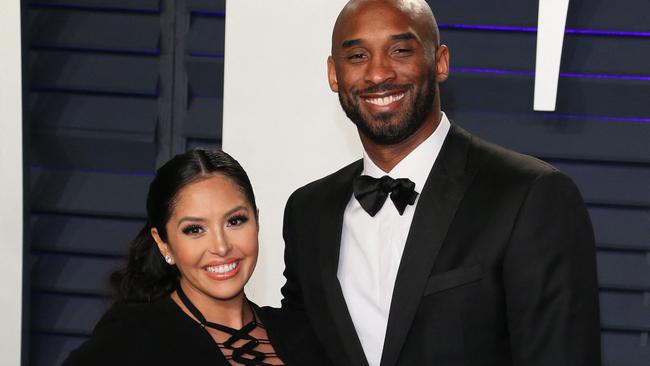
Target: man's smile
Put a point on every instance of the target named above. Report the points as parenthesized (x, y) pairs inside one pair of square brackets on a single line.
[(385, 100)]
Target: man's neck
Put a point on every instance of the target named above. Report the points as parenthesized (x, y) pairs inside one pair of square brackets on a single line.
[(386, 157)]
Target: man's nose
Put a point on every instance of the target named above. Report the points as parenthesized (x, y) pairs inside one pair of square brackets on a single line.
[(379, 70), (220, 245)]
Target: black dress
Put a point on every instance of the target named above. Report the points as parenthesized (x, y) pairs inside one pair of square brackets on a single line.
[(160, 333)]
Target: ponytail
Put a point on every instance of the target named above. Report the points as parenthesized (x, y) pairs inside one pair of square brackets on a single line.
[(146, 276)]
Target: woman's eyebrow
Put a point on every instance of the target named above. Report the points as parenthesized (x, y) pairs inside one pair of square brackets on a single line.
[(190, 218)]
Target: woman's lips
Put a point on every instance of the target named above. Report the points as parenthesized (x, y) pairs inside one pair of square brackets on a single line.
[(223, 271)]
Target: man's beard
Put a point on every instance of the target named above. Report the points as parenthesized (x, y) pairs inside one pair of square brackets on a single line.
[(392, 128)]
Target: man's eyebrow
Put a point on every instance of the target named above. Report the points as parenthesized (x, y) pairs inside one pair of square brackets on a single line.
[(403, 36), (395, 37), (351, 43)]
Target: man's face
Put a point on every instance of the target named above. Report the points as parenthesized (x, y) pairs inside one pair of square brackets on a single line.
[(383, 69)]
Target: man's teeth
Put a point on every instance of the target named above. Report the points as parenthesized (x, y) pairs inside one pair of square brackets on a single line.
[(385, 100), (222, 268)]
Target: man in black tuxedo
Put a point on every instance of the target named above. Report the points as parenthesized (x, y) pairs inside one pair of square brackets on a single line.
[(437, 248)]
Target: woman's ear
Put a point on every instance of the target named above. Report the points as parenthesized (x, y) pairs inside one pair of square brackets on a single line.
[(163, 247)]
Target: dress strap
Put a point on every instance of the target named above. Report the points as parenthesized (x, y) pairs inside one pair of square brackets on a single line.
[(188, 304), (241, 342)]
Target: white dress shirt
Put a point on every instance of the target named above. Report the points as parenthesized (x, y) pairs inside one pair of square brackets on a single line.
[(371, 247)]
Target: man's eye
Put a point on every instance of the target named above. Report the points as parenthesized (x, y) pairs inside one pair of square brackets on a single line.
[(403, 51), (237, 220), (357, 57), (193, 230)]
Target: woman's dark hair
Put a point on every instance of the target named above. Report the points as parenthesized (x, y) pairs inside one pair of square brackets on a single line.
[(147, 276)]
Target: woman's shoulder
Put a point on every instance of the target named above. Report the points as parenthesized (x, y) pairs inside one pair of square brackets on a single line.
[(132, 317), (121, 336)]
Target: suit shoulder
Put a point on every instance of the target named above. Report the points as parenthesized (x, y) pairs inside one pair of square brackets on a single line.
[(509, 164), (323, 184), (503, 175)]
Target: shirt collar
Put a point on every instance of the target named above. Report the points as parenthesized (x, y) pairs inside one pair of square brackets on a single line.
[(418, 163)]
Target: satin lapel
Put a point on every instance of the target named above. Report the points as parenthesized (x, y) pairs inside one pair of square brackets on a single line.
[(329, 243), (435, 211)]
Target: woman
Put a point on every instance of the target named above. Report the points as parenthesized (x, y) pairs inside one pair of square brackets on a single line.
[(180, 300)]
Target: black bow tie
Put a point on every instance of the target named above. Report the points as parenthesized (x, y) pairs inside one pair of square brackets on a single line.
[(372, 192)]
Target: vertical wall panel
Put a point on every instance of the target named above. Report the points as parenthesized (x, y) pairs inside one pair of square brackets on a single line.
[(198, 94), (99, 88), (115, 88)]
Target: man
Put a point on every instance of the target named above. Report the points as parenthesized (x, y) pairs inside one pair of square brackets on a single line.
[(469, 254)]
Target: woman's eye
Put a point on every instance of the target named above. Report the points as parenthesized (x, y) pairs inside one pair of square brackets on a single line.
[(193, 230), (237, 220)]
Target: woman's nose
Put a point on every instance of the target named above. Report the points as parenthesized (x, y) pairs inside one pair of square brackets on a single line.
[(220, 244)]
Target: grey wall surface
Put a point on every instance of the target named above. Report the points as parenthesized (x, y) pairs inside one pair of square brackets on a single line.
[(116, 87)]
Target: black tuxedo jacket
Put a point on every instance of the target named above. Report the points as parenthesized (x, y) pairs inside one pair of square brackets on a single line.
[(498, 268)]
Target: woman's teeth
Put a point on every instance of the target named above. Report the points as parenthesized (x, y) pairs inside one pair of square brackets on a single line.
[(224, 268)]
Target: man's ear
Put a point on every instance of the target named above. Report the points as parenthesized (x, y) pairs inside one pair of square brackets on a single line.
[(331, 75), (163, 247), (442, 63)]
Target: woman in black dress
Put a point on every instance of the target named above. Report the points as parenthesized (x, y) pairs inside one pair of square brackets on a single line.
[(180, 300)]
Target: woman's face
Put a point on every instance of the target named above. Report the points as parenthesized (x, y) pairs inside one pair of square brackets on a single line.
[(212, 239)]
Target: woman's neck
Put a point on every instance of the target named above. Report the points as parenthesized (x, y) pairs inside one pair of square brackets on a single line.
[(234, 312)]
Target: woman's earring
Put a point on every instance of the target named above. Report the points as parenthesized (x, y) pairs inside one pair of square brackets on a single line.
[(169, 260)]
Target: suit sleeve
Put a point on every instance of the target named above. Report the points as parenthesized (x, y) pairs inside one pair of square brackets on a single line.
[(550, 278), (291, 292)]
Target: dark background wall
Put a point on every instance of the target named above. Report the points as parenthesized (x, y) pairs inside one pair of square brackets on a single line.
[(116, 87), (599, 134)]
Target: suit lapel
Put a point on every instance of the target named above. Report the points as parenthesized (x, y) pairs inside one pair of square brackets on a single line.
[(329, 244), (435, 211)]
